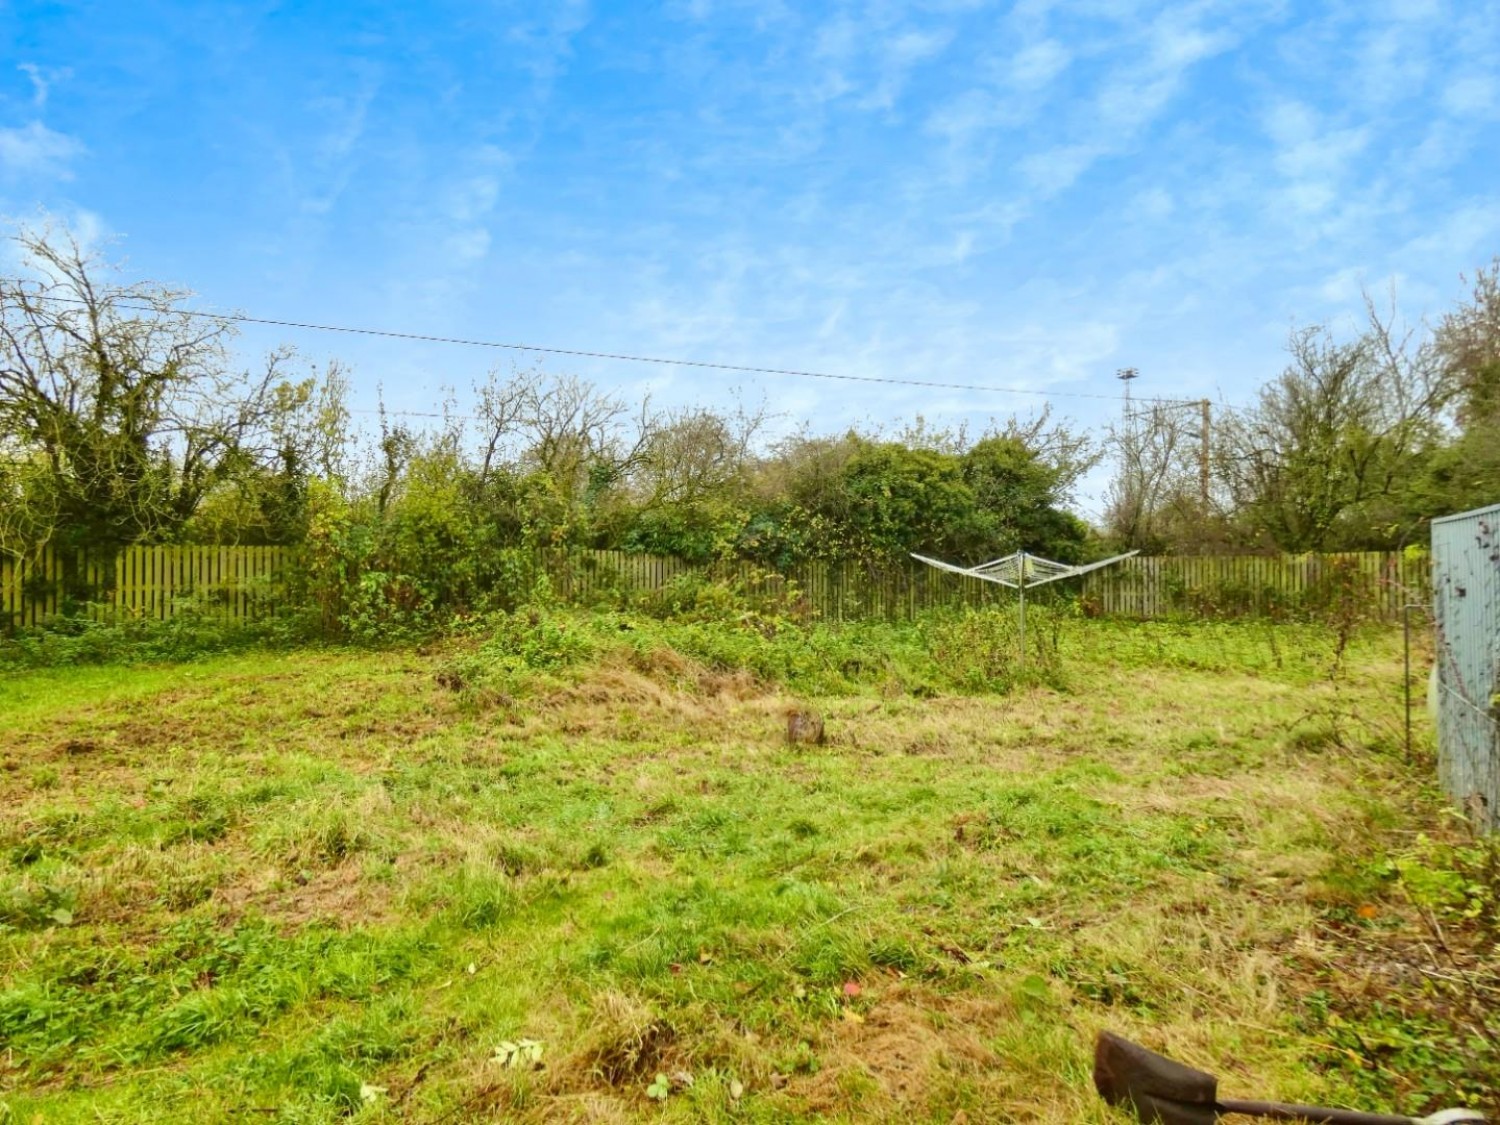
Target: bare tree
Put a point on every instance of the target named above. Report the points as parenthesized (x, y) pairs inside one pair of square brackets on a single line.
[(1344, 425), (1155, 451), (1468, 344), (577, 434), (307, 436), (122, 406), (500, 408), (561, 426), (695, 453)]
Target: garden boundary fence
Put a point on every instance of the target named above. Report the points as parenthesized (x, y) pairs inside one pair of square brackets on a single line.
[(1379, 582), (231, 583), (240, 583)]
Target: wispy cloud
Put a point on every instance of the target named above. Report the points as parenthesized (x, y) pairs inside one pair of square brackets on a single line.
[(546, 41), (1313, 159), (37, 152), (42, 80), (1475, 94), (1131, 97), (1053, 107), (1037, 65), (469, 201), (328, 162), (84, 226)]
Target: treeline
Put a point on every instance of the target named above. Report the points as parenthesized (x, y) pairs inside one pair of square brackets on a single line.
[(124, 420), (1356, 445)]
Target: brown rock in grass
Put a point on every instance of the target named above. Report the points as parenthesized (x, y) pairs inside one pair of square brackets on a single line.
[(804, 727)]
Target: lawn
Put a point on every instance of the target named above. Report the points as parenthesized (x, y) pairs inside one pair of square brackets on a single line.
[(601, 886)]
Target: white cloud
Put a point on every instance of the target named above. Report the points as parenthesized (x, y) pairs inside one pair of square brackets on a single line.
[(473, 198), (1472, 95), (1056, 169), (548, 40), (345, 114), (1153, 203), (334, 152), (469, 245), (1038, 64), (88, 227), (1343, 287), (911, 47), (963, 119), (1315, 160), (35, 150), (1136, 95), (1442, 145), (1393, 64), (868, 59), (1137, 74), (42, 80), (1412, 11), (85, 227), (468, 203), (1467, 235), (898, 55)]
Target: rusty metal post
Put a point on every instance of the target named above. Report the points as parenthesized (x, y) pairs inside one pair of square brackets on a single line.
[(1406, 671)]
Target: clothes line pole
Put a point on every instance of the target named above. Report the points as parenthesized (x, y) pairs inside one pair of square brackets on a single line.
[(1021, 585)]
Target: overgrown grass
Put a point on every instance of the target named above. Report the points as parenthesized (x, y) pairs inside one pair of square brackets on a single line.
[(962, 651), (311, 885), (194, 631)]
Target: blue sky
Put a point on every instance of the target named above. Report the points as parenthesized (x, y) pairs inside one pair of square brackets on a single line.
[(1024, 193)]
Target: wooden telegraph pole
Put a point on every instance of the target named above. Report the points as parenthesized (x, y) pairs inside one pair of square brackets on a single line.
[(1205, 431)]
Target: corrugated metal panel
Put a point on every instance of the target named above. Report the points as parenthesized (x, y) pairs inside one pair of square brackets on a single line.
[(1466, 604)]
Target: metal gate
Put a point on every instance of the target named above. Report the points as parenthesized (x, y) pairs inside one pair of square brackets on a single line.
[(1466, 606)]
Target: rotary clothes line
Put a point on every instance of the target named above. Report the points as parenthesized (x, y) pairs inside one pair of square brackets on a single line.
[(1022, 572)]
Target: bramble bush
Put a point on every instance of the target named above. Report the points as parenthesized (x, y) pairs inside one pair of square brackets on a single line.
[(980, 649), (192, 632)]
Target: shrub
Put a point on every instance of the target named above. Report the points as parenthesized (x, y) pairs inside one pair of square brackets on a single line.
[(980, 649), (97, 636)]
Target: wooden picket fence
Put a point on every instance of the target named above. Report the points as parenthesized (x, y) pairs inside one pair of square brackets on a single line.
[(1379, 582), (834, 591), (250, 583), (230, 583)]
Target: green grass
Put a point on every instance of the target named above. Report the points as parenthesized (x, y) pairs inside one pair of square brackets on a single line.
[(303, 886)]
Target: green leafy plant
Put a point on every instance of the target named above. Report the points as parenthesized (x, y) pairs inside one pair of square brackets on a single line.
[(522, 1054)]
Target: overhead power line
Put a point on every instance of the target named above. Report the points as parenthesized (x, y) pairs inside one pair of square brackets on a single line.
[(582, 353)]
